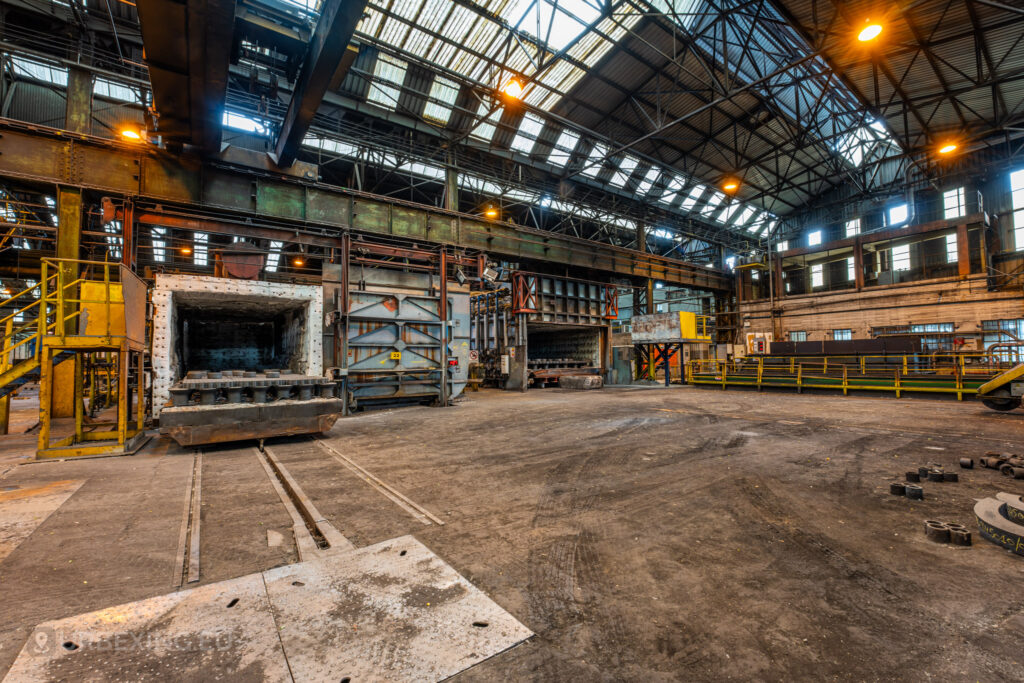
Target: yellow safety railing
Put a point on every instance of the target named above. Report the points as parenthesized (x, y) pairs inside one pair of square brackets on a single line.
[(56, 302), (939, 372)]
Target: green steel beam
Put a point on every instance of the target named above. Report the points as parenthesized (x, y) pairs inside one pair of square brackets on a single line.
[(144, 172)]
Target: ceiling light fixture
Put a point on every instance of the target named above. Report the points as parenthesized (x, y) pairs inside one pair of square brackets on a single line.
[(186, 250), (869, 32), (513, 88), (731, 185), (948, 148), (491, 212), (298, 262)]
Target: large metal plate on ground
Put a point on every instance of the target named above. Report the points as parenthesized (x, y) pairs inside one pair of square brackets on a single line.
[(393, 611), (22, 510), (192, 635)]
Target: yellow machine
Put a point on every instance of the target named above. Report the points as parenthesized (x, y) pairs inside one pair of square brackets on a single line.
[(89, 329), (1004, 391)]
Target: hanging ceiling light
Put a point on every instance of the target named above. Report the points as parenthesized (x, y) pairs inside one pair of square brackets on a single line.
[(491, 212), (513, 88), (948, 148), (869, 32), (730, 185)]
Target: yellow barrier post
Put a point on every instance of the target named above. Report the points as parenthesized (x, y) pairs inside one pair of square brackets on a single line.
[(845, 385)]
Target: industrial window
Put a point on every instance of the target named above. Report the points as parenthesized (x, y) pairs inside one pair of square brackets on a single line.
[(245, 123), (40, 71), (851, 269), (951, 251), (200, 252), (488, 122), (442, 98), (159, 244), (1017, 198), (274, 257), (842, 335), (953, 203), (901, 257), (564, 146), (113, 230), (898, 215), (783, 245), (115, 91), (814, 238), (595, 162), (691, 199), (728, 212), (993, 333), (526, 137), (798, 336), (624, 171), (388, 76), (713, 201), (755, 275), (852, 227), (328, 145), (647, 183), (817, 276), (747, 214), (944, 343)]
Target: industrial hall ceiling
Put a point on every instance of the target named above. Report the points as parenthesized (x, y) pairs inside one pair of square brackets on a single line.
[(688, 124)]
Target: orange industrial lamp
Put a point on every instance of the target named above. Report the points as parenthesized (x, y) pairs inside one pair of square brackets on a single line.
[(131, 134), (730, 185), (298, 262), (513, 88), (948, 148), (871, 31), (491, 212)]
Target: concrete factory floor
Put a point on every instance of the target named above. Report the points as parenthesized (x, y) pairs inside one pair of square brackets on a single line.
[(641, 533)]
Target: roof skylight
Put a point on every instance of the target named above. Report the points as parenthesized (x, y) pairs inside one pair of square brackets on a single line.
[(526, 137), (563, 149)]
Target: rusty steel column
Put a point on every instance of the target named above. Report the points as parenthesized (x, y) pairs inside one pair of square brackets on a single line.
[(69, 236), (78, 108), (443, 317)]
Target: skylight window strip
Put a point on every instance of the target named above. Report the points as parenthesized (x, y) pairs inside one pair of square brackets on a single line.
[(274, 257), (728, 212), (488, 122), (563, 148), (746, 215), (691, 199), (245, 123), (712, 203), (675, 184), (442, 96), (388, 74), (526, 137), (643, 188), (626, 168), (595, 161)]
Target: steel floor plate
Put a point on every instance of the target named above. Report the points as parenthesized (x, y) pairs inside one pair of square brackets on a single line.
[(391, 611)]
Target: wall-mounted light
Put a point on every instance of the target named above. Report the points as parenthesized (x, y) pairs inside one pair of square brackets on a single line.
[(186, 250), (298, 262), (131, 134)]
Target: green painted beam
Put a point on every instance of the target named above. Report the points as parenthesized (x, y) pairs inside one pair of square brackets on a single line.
[(145, 172)]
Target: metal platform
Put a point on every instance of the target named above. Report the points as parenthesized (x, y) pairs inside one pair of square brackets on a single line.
[(392, 611)]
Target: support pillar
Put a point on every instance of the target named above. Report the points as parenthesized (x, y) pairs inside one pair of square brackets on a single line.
[(69, 235), (858, 264), (963, 252), (78, 110), (641, 237), (451, 185)]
